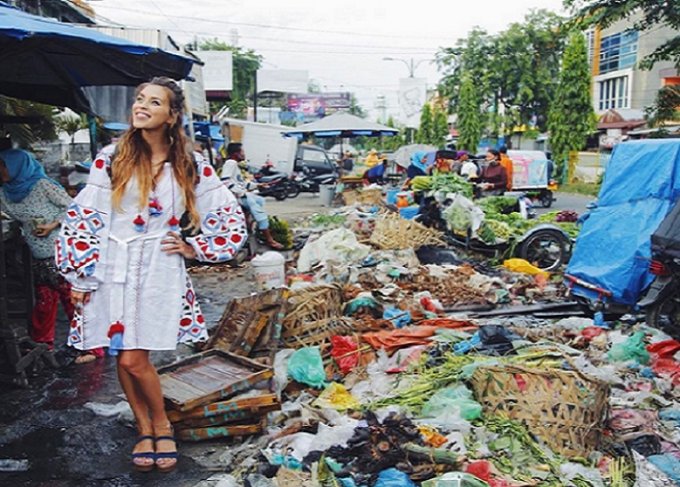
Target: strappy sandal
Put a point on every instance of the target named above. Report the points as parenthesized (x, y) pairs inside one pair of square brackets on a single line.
[(169, 454), (151, 455)]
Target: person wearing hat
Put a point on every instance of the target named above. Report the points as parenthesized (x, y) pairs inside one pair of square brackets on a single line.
[(372, 159)]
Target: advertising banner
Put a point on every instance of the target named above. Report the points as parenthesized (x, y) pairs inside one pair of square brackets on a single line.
[(308, 107), (529, 169), (412, 96)]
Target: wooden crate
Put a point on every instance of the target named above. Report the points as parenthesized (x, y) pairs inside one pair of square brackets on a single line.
[(240, 416), (249, 325), (238, 403), (208, 377), (215, 432)]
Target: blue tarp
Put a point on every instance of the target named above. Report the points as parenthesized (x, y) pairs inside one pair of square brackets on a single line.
[(613, 248), (49, 61)]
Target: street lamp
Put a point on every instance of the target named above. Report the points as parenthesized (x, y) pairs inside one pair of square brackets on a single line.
[(409, 64)]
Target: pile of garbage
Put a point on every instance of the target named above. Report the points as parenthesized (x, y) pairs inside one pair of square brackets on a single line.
[(405, 367)]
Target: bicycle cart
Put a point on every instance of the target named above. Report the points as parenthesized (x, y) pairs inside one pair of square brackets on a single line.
[(531, 172)]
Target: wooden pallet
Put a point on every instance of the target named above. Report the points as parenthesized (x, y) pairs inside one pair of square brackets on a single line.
[(215, 432), (208, 377), (238, 403)]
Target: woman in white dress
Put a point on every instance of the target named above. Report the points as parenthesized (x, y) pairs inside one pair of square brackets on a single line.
[(120, 248)]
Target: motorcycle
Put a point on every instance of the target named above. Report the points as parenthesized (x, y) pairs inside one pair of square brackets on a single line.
[(277, 185), (310, 183)]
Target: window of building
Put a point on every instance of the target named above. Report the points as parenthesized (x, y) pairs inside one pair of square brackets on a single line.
[(618, 51), (614, 93)]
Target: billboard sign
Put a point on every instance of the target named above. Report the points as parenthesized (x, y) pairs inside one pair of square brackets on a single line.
[(308, 107), (412, 96)]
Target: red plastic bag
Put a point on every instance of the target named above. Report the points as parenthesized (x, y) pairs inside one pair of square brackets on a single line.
[(345, 352), (591, 332), (482, 470)]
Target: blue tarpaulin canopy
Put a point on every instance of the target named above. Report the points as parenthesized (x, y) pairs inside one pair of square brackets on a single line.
[(48, 61), (342, 125), (613, 248), (203, 130)]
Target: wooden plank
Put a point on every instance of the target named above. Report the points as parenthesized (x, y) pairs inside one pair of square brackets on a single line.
[(210, 433), (224, 407), (178, 391), (243, 416)]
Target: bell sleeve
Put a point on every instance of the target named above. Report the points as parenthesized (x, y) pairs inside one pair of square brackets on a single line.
[(84, 229), (223, 226)]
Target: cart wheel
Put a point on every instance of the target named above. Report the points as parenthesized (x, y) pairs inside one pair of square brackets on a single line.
[(546, 249), (546, 198)]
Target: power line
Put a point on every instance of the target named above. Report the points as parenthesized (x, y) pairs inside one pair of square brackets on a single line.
[(270, 26)]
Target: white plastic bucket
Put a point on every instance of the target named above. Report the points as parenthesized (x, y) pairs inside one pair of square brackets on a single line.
[(327, 193), (269, 269)]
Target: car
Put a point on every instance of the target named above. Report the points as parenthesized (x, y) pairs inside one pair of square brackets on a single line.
[(315, 159)]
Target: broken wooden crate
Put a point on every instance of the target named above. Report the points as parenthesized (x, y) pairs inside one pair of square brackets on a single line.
[(200, 394), (251, 326)]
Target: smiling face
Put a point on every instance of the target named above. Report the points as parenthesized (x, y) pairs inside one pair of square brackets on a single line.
[(151, 109)]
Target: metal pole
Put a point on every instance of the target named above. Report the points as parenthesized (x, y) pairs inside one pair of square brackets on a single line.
[(255, 98)]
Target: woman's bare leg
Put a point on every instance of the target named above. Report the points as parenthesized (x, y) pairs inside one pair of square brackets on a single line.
[(143, 375)]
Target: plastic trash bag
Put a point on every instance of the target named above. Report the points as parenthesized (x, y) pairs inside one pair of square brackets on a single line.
[(335, 396), (632, 349), (393, 478), (458, 397), (345, 352), (306, 366), (523, 266), (668, 464), (399, 317), (455, 479)]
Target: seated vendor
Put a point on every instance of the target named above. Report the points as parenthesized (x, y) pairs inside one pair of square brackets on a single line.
[(417, 167), (494, 178), (376, 174)]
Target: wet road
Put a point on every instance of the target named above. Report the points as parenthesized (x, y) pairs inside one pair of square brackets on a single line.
[(68, 445)]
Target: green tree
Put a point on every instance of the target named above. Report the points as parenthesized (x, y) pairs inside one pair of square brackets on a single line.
[(40, 124), (666, 107), (424, 134), (246, 62), (71, 124), (440, 128), (653, 14), (571, 115), (394, 142), (355, 108), (470, 126)]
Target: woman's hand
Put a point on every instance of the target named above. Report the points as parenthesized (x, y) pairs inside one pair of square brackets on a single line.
[(44, 229), (80, 298), (173, 244)]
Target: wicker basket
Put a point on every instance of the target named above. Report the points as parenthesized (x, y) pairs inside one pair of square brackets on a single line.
[(314, 314), (395, 233), (364, 197), (566, 410)]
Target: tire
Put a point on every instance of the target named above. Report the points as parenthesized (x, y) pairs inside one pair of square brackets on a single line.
[(665, 315), (546, 198), (281, 195), (293, 190), (546, 249)]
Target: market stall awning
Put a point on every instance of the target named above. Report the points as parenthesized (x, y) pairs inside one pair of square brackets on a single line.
[(48, 61), (342, 125)]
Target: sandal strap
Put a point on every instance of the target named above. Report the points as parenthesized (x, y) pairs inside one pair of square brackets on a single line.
[(166, 454), (145, 454), (145, 437), (166, 437)]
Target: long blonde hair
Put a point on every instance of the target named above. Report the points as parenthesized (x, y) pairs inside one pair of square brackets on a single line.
[(133, 157)]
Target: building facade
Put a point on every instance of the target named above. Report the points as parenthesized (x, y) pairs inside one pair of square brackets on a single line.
[(615, 54)]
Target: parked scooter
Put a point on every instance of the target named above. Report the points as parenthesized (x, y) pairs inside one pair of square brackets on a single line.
[(309, 183), (277, 185)]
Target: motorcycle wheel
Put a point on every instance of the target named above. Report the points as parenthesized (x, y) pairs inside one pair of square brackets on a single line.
[(281, 195), (546, 249), (665, 315), (546, 198), (293, 190)]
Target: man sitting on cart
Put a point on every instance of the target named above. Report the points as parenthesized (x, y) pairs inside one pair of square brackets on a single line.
[(494, 178)]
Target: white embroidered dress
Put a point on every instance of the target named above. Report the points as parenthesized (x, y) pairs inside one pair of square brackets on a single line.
[(117, 256)]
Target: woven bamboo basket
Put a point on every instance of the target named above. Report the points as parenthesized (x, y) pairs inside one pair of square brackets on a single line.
[(567, 410), (395, 233), (365, 196), (314, 314)]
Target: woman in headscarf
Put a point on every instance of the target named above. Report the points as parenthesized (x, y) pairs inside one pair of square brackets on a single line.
[(39, 204), (418, 167)]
